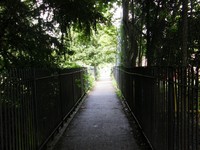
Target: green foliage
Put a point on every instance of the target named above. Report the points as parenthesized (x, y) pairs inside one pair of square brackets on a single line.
[(89, 81), (117, 90), (23, 42), (99, 49), (33, 32)]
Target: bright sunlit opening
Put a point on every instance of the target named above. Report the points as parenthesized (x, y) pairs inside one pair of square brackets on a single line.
[(117, 11)]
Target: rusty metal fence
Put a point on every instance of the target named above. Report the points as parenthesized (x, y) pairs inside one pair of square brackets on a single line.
[(166, 103), (34, 103)]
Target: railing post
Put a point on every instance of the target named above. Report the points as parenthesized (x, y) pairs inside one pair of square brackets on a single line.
[(34, 90), (61, 98), (1, 116), (171, 109), (197, 109)]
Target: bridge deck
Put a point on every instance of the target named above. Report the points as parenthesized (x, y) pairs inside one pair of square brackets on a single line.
[(100, 123)]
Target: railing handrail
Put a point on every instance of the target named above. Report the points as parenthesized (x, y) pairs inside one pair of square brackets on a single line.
[(60, 74), (136, 74)]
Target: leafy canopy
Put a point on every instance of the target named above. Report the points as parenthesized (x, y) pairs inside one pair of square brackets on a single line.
[(33, 32)]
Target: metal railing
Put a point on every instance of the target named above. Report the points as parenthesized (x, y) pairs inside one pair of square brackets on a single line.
[(34, 103), (166, 103)]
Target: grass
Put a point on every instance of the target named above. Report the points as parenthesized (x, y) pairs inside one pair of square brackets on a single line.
[(117, 90)]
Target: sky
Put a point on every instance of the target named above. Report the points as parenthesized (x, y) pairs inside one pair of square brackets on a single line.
[(117, 15)]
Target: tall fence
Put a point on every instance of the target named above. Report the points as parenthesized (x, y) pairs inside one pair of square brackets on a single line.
[(166, 103), (34, 104)]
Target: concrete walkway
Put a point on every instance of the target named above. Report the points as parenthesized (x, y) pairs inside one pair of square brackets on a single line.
[(100, 124)]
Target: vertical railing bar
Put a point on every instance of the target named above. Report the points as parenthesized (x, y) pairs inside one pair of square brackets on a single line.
[(31, 86), (6, 118), (1, 111), (18, 71), (175, 108), (192, 111), (170, 102), (16, 112), (13, 113), (178, 108), (179, 112), (18, 91), (9, 124), (166, 109), (25, 113), (28, 99), (21, 113), (184, 107), (34, 90), (197, 111), (73, 84), (10, 117), (25, 109), (60, 94), (188, 107)]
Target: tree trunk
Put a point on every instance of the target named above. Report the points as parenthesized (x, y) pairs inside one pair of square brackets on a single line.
[(133, 41), (129, 42), (124, 40), (185, 33), (149, 50)]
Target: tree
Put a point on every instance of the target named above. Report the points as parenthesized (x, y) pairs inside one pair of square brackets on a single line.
[(32, 32), (166, 32), (99, 49), (129, 43), (185, 33)]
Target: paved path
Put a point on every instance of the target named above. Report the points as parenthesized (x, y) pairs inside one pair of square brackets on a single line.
[(100, 124)]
